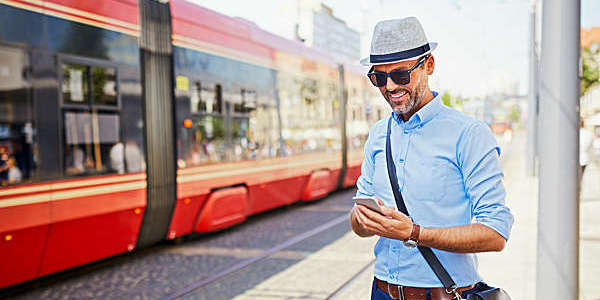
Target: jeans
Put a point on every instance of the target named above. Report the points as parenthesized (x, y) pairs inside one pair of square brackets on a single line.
[(378, 294)]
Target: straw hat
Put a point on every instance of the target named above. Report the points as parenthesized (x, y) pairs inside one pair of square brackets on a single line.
[(398, 40)]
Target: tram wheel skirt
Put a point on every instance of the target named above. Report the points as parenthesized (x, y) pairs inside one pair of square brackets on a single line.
[(223, 208)]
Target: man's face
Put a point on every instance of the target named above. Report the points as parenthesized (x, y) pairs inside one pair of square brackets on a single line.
[(407, 98)]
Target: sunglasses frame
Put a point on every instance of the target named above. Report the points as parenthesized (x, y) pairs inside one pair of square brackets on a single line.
[(419, 63)]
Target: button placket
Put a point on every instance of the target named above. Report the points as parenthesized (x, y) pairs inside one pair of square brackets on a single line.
[(401, 167)]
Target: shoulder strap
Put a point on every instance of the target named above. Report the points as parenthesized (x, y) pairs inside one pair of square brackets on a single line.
[(427, 253)]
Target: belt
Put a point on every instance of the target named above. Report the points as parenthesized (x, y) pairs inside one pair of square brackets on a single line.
[(415, 293)]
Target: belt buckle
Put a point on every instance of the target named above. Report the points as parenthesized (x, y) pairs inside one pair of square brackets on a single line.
[(401, 292)]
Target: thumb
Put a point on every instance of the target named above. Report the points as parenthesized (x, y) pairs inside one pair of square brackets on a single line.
[(393, 213), (388, 211)]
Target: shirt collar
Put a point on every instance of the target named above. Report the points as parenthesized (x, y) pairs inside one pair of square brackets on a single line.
[(423, 115)]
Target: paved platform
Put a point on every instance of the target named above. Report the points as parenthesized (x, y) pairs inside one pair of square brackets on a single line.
[(343, 269), (319, 275)]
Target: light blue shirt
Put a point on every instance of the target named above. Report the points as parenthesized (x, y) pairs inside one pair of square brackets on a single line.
[(449, 175)]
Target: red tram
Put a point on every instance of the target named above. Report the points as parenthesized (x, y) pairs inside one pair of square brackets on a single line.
[(123, 124)]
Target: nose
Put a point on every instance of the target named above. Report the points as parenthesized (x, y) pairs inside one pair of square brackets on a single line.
[(390, 85)]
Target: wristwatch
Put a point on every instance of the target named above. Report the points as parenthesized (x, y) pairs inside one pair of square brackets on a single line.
[(413, 240)]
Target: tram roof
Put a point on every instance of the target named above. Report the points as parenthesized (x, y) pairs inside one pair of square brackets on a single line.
[(242, 30)]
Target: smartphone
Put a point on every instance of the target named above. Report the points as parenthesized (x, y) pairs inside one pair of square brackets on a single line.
[(369, 202)]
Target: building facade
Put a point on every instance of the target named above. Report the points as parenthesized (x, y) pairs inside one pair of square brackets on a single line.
[(319, 28)]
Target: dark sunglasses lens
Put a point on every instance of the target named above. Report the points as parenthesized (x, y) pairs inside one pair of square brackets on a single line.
[(378, 80), (400, 77)]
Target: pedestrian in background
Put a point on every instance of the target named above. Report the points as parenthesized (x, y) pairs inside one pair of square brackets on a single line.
[(586, 138), (4, 167), (446, 170), (14, 173)]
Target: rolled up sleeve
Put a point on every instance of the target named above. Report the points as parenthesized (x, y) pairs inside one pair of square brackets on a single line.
[(479, 159), (365, 181)]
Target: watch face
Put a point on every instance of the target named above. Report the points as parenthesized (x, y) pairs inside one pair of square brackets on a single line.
[(410, 243)]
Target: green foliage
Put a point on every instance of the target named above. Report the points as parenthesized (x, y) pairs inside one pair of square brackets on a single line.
[(216, 130), (452, 101), (447, 99), (591, 69), (515, 113)]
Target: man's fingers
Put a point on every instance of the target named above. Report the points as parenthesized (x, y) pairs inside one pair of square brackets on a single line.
[(361, 218), (358, 214), (369, 213), (373, 221)]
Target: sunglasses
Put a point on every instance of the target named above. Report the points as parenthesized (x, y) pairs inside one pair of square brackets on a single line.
[(401, 77)]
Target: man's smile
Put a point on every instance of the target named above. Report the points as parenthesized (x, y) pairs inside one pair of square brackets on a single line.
[(398, 97)]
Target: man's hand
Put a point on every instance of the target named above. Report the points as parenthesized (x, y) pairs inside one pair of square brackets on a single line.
[(357, 227), (392, 224), (396, 225)]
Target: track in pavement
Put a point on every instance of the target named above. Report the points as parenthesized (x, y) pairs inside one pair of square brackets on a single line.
[(168, 271), (263, 255)]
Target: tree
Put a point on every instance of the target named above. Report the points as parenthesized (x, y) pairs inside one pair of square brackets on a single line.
[(452, 101), (591, 69), (447, 99), (515, 113)]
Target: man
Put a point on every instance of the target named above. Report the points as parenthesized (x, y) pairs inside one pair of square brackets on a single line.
[(447, 170)]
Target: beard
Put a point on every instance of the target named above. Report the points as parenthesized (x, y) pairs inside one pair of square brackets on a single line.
[(410, 105)]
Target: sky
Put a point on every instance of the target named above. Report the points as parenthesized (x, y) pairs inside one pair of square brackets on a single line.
[(483, 44)]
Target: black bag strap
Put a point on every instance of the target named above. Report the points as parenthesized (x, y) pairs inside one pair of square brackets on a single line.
[(427, 253)]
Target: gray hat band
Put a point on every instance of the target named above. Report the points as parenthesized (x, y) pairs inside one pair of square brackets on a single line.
[(402, 55)]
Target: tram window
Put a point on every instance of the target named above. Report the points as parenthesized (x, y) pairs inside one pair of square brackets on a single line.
[(18, 146), (75, 84), (249, 100), (244, 102), (236, 100), (241, 146), (104, 86), (91, 123), (80, 82), (311, 117), (335, 106), (198, 98), (258, 137), (209, 144), (205, 98), (92, 143)]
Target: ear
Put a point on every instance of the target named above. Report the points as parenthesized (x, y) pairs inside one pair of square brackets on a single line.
[(430, 64)]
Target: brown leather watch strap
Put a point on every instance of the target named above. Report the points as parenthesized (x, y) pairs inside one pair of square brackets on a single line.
[(414, 234)]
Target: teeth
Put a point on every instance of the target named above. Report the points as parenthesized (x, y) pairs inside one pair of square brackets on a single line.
[(399, 95)]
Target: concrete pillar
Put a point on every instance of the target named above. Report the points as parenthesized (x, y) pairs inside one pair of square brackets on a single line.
[(558, 220), (532, 110)]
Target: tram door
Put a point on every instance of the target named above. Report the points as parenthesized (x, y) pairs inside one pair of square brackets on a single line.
[(23, 236), (16, 116)]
